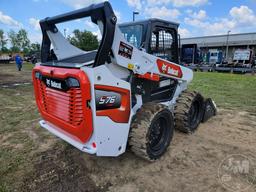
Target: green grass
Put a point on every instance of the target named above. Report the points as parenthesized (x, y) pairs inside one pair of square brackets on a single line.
[(9, 73), (18, 115), (28, 66), (227, 90)]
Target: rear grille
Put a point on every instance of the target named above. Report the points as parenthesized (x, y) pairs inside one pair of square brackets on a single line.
[(66, 106)]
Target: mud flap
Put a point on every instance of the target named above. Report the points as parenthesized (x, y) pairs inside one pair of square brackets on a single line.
[(210, 109)]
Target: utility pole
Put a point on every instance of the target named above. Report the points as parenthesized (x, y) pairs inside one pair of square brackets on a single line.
[(65, 32), (133, 15), (227, 45)]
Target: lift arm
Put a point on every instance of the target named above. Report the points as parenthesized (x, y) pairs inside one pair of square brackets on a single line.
[(142, 63), (113, 45)]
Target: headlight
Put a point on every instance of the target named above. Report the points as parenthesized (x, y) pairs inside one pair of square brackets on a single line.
[(72, 82)]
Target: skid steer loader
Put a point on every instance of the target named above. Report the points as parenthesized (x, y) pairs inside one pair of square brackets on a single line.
[(128, 92)]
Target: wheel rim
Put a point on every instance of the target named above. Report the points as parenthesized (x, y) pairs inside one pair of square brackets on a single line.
[(158, 135), (194, 114)]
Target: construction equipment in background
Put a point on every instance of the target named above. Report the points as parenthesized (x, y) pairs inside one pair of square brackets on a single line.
[(129, 91)]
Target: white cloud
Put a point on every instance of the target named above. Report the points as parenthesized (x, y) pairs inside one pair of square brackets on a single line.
[(162, 13), (98, 34), (243, 15), (35, 23), (7, 20), (194, 22), (90, 24), (178, 3), (35, 37), (194, 3), (240, 19), (210, 28), (184, 32), (135, 4), (118, 15), (77, 4), (200, 15), (66, 31)]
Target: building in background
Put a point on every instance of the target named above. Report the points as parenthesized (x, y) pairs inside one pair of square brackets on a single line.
[(228, 48)]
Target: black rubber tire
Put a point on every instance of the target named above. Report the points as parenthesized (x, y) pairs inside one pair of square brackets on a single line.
[(188, 111), (151, 131)]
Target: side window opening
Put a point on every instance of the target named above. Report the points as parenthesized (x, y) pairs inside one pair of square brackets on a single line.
[(133, 34), (162, 43)]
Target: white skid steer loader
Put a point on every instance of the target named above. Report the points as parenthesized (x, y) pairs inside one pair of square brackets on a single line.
[(130, 91)]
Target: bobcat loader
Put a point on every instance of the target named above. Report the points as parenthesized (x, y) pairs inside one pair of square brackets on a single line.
[(130, 91)]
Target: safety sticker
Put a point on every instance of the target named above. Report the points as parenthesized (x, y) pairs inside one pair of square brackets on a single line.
[(130, 66), (125, 50)]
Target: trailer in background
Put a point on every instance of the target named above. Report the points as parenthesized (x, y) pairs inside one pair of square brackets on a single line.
[(215, 56), (243, 56), (190, 54), (4, 58)]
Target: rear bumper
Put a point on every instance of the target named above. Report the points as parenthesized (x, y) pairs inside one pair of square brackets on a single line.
[(54, 130)]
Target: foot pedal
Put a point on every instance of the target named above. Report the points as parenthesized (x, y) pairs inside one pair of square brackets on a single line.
[(210, 109)]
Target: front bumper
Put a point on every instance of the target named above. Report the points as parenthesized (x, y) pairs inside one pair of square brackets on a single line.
[(88, 148)]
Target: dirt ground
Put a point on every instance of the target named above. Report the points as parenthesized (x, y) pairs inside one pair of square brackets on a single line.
[(10, 75), (191, 164), (31, 159)]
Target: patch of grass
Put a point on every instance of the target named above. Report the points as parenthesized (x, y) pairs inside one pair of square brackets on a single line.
[(9, 73), (18, 106), (3, 187), (28, 66), (227, 90), (18, 112)]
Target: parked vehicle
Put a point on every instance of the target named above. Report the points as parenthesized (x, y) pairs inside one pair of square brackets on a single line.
[(126, 92)]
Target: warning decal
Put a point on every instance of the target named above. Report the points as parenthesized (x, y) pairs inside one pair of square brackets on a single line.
[(125, 50)]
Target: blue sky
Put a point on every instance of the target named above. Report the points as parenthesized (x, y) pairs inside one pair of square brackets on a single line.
[(196, 17)]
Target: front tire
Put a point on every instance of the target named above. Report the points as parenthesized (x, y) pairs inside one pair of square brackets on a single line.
[(151, 131), (188, 111)]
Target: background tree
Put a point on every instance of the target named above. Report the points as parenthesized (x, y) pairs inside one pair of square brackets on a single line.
[(84, 40), (35, 48), (3, 41), (5, 50), (19, 41), (14, 41), (23, 41)]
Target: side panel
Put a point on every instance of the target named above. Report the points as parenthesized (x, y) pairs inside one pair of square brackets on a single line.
[(118, 114), (111, 128)]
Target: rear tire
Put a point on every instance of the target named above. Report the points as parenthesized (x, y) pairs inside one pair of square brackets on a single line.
[(151, 131), (188, 111)]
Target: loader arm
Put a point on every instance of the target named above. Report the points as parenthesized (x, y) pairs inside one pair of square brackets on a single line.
[(101, 14), (112, 43), (142, 63)]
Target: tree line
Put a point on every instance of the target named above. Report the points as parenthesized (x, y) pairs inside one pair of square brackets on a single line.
[(19, 41), (84, 40)]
